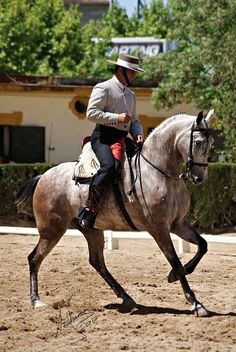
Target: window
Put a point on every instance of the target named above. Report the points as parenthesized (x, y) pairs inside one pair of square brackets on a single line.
[(23, 144)]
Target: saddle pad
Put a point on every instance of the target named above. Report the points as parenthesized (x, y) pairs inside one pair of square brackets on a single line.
[(87, 164)]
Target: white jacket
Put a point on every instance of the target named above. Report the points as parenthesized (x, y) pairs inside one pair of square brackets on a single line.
[(109, 99)]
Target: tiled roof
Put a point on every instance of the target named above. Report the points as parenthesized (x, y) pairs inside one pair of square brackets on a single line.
[(36, 81)]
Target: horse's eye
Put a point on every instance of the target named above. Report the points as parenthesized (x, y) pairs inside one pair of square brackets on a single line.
[(198, 143)]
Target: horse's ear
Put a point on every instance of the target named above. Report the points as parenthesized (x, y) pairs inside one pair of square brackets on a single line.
[(199, 117), (209, 115)]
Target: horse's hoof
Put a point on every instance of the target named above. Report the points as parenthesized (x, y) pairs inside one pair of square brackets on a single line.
[(172, 277), (128, 306), (199, 310), (38, 303)]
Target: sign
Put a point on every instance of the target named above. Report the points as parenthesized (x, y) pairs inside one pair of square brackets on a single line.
[(147, 45)]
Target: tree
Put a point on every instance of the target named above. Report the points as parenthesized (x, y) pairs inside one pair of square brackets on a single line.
[(96, 42), (39, 37), (18, 36), (202, 70), (155, 20)]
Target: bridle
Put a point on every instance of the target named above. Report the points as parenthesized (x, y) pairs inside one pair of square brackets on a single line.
[(187, 173), (190, 161)]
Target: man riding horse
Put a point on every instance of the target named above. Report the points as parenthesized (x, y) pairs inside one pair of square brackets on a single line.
[(112, 106)]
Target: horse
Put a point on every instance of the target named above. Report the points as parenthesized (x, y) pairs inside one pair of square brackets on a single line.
[(160, 207)]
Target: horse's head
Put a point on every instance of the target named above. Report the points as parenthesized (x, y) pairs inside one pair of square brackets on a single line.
[(195, 148)]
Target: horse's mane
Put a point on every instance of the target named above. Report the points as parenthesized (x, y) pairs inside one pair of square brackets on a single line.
[(169, 121)]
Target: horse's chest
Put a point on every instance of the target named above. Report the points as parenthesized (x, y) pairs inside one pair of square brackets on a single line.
[(180, 201), (174, 202)]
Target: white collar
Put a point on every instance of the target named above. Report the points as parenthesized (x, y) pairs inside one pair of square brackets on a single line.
[(121, 85)]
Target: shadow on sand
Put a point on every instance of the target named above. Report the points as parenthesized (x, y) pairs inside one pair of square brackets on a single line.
[(145, 310)]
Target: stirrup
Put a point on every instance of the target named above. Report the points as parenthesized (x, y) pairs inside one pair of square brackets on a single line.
[(86, 219)]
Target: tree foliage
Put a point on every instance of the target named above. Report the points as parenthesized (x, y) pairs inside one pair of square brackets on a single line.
[(96, 42), (202, 69), (39, 37), (155, 20), (43, 38)]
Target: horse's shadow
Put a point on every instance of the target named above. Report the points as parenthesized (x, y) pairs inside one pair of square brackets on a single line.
[(140, 309)]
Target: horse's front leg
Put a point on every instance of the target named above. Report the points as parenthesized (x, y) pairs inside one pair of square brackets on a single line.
[(184, 230), (95, 239), (165, 243)]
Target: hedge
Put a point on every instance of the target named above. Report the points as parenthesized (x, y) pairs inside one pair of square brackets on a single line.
[(12, 177), (213, 204)]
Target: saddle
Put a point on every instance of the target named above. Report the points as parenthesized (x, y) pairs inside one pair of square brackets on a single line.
[(87, 165)]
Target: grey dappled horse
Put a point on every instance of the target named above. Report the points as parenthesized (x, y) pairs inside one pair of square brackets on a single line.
[(162, 202)]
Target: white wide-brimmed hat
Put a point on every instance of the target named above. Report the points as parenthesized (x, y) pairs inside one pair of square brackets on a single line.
[(127, 61)]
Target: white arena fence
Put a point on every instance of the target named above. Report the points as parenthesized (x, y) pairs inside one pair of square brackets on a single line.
[(113, 237)]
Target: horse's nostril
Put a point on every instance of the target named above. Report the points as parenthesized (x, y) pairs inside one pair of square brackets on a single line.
[(197, 179)]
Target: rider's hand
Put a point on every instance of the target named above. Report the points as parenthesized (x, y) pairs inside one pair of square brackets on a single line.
[(124, 117), (139, 138)]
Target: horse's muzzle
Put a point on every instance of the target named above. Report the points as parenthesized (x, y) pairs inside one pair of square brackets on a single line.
[(197, 180)]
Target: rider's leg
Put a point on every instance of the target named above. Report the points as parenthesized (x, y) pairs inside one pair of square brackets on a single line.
[(98, 185)]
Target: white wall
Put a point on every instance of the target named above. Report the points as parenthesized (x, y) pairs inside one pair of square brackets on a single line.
[(63, 130)]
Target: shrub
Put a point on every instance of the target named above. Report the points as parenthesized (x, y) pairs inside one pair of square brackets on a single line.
[(12, 177), (213, 204)]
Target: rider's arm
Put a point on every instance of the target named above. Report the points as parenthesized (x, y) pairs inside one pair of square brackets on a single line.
[(96, 108)]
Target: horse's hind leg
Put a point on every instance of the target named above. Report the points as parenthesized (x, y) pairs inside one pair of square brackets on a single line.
[(189, 234), (48, 239), (167, 247), (95, 239)]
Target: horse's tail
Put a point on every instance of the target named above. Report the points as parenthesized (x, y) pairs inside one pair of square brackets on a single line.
[(26, 191)]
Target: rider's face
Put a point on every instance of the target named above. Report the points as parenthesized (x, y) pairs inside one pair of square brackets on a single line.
[(131, 74)]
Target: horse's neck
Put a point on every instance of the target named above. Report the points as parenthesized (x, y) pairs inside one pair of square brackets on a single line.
[(160, 150)]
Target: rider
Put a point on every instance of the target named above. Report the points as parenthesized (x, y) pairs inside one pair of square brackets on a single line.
[(112, 106)]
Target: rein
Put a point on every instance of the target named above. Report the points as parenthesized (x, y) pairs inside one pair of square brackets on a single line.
[(188, 166), (163, 172)]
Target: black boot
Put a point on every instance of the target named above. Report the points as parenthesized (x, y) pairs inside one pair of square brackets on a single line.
[(87, 218), (87, 215)]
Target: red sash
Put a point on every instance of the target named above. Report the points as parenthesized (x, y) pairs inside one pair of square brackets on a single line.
[(118, 148)]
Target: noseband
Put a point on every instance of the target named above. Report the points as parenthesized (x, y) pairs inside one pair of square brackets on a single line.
[(187, 173), (190, 162)]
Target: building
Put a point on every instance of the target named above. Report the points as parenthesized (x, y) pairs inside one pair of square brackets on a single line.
[(44, 121), (90, 9)]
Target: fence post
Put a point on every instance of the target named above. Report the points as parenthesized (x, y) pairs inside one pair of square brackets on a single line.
[(184, 247), (112, 243)]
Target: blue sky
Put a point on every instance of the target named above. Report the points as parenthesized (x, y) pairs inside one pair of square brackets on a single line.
[(131, 5)]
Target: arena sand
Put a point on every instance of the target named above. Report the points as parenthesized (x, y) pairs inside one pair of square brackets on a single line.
[(83, 314)]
